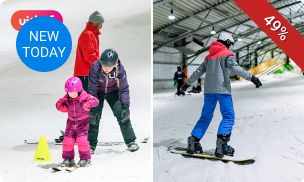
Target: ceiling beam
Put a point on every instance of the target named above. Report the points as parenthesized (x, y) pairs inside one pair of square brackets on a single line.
[(188, 17), (215, 23), (161, 2)]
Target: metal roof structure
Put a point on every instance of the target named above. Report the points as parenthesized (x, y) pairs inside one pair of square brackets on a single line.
[(197, 18)]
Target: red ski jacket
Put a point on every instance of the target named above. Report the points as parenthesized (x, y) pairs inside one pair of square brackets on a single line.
[(87, 50)]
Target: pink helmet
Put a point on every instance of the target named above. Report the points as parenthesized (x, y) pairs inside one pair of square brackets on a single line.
[(73, 84)]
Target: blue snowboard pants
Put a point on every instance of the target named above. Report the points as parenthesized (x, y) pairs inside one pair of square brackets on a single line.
[(227, 111)]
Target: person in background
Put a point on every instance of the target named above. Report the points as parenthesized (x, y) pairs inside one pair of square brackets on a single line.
[(178, 76), (88, 48)]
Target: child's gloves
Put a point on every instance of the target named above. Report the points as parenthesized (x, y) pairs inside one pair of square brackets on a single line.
[(63, 108), (256, 81), (86, 106), (185, 86)]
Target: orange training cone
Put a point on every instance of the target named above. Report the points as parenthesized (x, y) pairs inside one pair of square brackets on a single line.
[(42, 152)]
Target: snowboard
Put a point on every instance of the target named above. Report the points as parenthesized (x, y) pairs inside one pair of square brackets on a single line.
[(210, 155)]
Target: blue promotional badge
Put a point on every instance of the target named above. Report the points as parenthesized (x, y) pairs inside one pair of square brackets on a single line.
[(44, 44)]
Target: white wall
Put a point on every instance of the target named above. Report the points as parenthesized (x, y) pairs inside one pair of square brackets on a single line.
[(165, 71)]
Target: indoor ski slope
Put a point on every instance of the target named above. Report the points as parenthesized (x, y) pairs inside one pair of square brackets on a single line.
[(269, 124), (28, 98)]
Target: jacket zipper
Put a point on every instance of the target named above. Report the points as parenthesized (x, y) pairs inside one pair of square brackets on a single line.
[(74, 111), (107, 83)]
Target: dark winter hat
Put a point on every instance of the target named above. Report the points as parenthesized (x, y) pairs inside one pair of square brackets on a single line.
[(96, 17)]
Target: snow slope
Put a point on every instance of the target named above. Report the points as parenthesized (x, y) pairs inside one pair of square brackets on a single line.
[(27, 107), (269, 124)]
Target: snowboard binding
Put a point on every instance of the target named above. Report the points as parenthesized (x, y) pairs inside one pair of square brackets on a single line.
[(193, 147), (222, 148)]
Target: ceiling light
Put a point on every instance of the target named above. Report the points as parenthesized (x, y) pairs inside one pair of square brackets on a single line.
[(259, 42), (213, 32), (240, 39), (171, 16)]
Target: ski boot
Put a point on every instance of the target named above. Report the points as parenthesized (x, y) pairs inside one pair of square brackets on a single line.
[(92, 149), (68, 162), (193, 146), (222, 148), (132, 146), (60, 138), (84, 162)]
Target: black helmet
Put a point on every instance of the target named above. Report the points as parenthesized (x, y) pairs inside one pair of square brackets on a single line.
[(109, 58)]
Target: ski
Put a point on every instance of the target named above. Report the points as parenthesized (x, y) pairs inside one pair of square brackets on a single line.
[(61, 168), (72, 169), (145, 140), (98, 144)]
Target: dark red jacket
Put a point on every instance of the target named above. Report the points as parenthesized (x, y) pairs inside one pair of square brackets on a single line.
[(87, 50)]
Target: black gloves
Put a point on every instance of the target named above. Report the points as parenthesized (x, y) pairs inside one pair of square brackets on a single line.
[(125, 113), (93, 115), (185, 86), (256, 81)]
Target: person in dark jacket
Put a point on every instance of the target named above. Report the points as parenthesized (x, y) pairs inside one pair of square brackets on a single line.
[(197, 89), (178, 76), (108, 81), (88, 48), (217, 66)]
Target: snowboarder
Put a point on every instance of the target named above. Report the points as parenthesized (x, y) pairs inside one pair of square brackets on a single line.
[(108, 81), (77, 104), (217, 66), (196, 89), (178, 76), (88, 48)]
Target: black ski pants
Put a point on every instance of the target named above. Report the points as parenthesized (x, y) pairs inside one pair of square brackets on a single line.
[(85, 82), (179, 85), (126, 128)]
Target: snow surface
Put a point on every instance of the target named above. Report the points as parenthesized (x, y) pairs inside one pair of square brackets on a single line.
[(27, 107), (269, 124)]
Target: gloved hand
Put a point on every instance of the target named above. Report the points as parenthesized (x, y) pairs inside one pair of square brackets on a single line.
[(93, 115), (125, 113), (184, 87), (86, 106), (63, 108), (256, 81)]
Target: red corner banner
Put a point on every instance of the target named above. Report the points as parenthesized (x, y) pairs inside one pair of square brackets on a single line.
[(276, 27)]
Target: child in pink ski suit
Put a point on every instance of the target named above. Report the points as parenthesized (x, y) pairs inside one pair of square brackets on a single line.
[(77, 103)]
